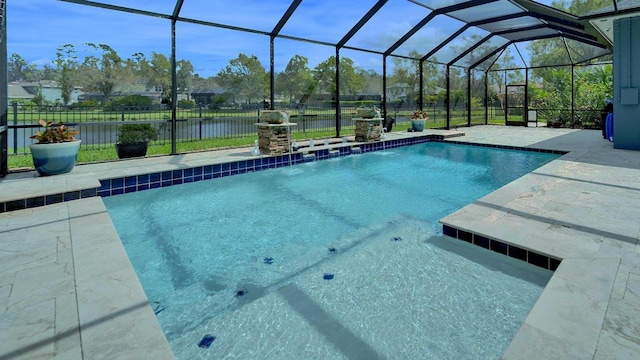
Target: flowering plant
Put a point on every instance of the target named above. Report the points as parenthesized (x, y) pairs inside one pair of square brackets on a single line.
[(419, 114), (54, 133)]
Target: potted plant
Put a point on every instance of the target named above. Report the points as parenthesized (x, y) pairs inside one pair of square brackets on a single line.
[(418, 120), (133, 140), (56, 151)]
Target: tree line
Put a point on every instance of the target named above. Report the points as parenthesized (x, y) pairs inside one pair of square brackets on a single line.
[(243, 78), (246, 79), (102, 73)]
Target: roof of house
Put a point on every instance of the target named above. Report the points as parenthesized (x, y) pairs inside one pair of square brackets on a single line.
[(18, 92)]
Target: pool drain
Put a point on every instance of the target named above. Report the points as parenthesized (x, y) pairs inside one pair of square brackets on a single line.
[(206, 341), (328, 276)]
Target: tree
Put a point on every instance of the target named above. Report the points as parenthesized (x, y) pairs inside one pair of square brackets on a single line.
[(66, 64), (200, 84), (158, 74), (137, 64), (407, 72), (48, 72), (430, 75), (372, 81), (295, 79), (245, 76), (554, 98), (593, 84), (351, 83), (19, 70), (103, 73), (497, 77), (324, 76), (184, 75), (581, 7), (506, 61), (134, 73)]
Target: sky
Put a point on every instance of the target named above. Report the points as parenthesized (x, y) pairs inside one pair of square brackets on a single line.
[(36, 28)]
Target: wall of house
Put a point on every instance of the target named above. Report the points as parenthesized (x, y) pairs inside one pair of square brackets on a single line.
[(626, 83)]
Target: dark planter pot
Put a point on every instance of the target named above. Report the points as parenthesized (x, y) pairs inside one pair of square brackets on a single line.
[(54, 159), (132, 150), (388, 123)]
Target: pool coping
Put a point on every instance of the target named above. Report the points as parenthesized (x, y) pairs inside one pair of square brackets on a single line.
[(535, 333)]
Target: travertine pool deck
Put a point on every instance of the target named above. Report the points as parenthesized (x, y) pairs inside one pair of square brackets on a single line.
[(583, 208), (67, 289)]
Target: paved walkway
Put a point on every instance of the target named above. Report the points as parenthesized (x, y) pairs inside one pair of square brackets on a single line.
[(67, 289)]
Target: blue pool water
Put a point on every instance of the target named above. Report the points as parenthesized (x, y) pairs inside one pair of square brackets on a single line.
[(194, 246)]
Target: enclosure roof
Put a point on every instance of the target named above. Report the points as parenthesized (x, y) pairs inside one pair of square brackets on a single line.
[(470, 34), (602, 20)]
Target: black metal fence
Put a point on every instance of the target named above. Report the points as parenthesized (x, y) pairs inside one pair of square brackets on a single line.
[(98, 127)]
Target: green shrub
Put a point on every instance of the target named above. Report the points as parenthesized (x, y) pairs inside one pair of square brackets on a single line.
[(186, 104), (130, 101), (84, 104), (217, 101), (133, 133)]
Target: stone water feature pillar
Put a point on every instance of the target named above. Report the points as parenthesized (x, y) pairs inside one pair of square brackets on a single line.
[(368, 130), (274, 138)]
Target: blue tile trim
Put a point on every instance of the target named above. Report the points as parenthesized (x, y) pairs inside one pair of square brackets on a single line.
[(533, 258), (450, 231), (54, 198), (34, 202), (49, 199), (465, 235)]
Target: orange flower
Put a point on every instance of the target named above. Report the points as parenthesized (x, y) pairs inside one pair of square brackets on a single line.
[(54, 133), (419, 114)]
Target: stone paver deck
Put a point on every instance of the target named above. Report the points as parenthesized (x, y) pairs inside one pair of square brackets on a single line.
[(583, 208), (67, 288)]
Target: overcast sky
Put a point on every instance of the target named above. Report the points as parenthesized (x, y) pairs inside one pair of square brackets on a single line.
[(35, 28)]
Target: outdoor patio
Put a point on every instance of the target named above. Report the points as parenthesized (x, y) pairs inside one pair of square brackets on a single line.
[(67, 288)]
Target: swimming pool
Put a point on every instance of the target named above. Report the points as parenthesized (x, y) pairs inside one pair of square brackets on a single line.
[(196, 247)]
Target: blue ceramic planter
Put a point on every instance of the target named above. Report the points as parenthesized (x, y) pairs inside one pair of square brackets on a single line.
[(56, 158), (418, 124)]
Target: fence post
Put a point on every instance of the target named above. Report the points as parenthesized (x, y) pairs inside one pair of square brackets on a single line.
[(122, 112), (14, 105)]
